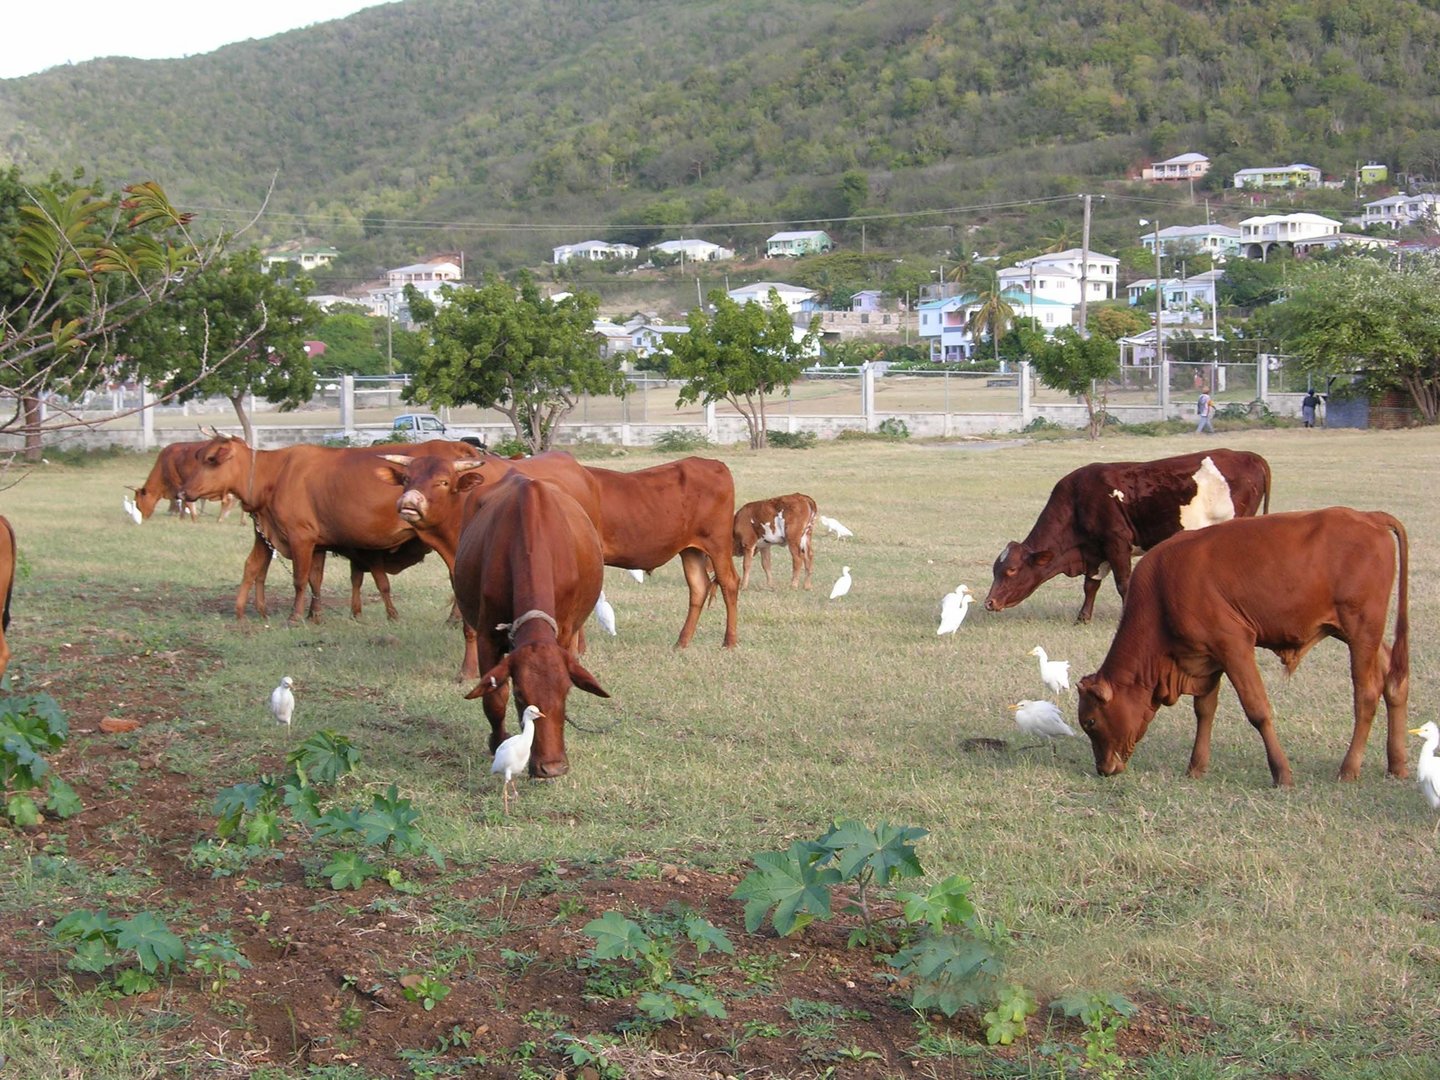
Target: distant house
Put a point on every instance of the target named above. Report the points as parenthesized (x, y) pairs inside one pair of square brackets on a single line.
[(1398, 211), (943, 323), (693, 250), (593, 251), (424, 274), (307, 257), (1180, 167), (794, 244), (1261, 235), (795, 298), (865, 300), (1217, 241), (1184, 299), (1056, 276), (1374, 173), (1279, 176)]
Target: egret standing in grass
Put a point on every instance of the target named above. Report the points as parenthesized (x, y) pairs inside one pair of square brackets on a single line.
[(842, 584), (513, 755), (1055, 674), (952, 609), (1427, 770), (605, 614), (638, 575), (840, 532), (282, 701), (1041, 718), (131, 510)]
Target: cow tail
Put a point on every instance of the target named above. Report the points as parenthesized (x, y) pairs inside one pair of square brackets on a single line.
[(1399, 674), (1265, 506)]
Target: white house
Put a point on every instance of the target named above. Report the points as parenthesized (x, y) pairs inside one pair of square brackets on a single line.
[(593, 251), (1261, 235), (1278, 176), (1217, 241), (307, 257), (798, 242), (1057, 276), (1180, 167), (693, 250), (1187, 299), (1399, 211), (943, 322), (424, 275), (795, 298)]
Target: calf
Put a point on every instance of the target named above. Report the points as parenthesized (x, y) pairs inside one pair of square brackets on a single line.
[(165, 481), (1201, 603), (1100, 515), (527, 573), (785, 519)]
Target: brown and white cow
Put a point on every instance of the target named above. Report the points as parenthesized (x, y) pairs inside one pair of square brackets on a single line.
[(164, 482), (767, 523), (7, 585), (1102, 514), (1201, 603), (307, 500), (527, 573), (644, 518)]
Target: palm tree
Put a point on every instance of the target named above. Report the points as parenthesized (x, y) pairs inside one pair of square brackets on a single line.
[(992, 313), (1061, 237)]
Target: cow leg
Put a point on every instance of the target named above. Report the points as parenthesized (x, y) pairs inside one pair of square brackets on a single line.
[(304, 557), (1250, 688), (765, 565), (747, 554), (470, 661), (314, 580), (357, 582), (1205, 706), (1367, 677), (806, 555), (729, 586), (382, 583), (256, 564), (694, 561), (1093, 577), (1397, 714)]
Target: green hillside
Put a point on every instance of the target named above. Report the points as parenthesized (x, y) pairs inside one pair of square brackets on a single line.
[(642, 114)]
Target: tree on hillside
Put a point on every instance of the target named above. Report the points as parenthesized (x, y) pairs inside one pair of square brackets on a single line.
[(506, 347), (1249, 283), (1358, 317), (1074, 365), (354, 342), (740, 354), (1117, 321), (233, 309), (76, 267)]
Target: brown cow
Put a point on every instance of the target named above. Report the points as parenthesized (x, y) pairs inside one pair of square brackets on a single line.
[(527, 573), (307, 500), (1099, 516), (164, 482), (785, 519), (7, 584), (644, 518), (1201, 603)]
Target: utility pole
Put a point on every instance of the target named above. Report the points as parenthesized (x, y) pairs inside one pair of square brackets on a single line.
[(1084, 263), (1159, 293)]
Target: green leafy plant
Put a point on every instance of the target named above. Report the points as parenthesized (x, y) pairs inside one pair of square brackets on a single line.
[(1006, 1021), (655, 955), (587, 1053), (32, 725), (1103, 1015), (680, 441), (892, 427), (792, 440), (424, 989), (101, 942), (216, 958), (509, 447)]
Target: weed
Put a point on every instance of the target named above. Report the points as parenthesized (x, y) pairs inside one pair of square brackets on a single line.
[(545, 1020), (1103, 1016), (680, 441), (424, 989), (893, 427), (216, 958), (1006, 1021), (791, 440), (30, 726), (654, 955), (100, 942), (517, 961), (568, 908)]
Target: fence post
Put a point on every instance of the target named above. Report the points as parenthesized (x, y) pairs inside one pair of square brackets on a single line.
[(1164, 389), (147, 417), (1262, 380), (867, 395), (347, 403), (1026, 405)]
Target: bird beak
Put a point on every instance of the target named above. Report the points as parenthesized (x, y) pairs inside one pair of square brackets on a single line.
[(1414, 731), (1013, 708)]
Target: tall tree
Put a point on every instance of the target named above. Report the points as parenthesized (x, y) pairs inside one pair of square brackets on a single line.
[(508, 348), (992, 313), (233, 310), (1076, 365), (740, 354)]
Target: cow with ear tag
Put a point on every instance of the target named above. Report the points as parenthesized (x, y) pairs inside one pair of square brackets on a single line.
[(527, 574)]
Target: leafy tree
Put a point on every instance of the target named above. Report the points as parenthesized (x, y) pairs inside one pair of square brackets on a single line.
[(233, 310), (1117, 321), (1359, 317), (1249, 283), (354, 343), (740, 354), (992, 314), (76, 267), (508, 348), (1073, 365)]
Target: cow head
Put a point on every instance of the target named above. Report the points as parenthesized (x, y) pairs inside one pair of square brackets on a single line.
[(216, 468), (542, 673), (147, 497), (1019, 571), (430, 485), (1115, 719)]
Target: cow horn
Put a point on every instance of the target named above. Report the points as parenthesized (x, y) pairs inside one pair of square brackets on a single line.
[(397, 459), (466, 463)]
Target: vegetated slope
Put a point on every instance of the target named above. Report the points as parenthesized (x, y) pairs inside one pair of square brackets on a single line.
[(656, 112)]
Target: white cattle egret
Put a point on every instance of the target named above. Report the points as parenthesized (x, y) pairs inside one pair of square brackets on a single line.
[(638, 575), (1041, 718), (952, 609), (513, 755), (1427, 770), (1055, 674), (605, 614), (131, 510), (842, 583), (834, 527), (282, 701)]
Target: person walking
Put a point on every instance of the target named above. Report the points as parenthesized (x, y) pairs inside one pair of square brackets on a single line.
[(1308, 406), (1205, 408)]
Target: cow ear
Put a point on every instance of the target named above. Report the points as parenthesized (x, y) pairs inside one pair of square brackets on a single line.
[(492, 680), (470, 479), (389, 473), (584, 680), (1097, 687), (1042, 558)]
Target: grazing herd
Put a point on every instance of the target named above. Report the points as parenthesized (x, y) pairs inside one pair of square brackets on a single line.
[(526, 542)]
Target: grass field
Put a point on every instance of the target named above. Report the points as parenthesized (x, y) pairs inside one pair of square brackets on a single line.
[(1304, 923)]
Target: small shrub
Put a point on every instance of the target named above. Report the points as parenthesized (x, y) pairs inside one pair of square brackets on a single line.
[(1041, 423), (894, 428), (791, 440), (32, 725), (509, 447), (680, 441)]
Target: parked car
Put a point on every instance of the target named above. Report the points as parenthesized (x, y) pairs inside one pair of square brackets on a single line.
[(419, 427)]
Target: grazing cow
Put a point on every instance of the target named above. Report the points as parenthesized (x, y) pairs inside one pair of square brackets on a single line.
[(164, 481), (527, 573), (785, 519), (306, 500), (644, 518), (1099, 516), (1201, 603), (7, 584)]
